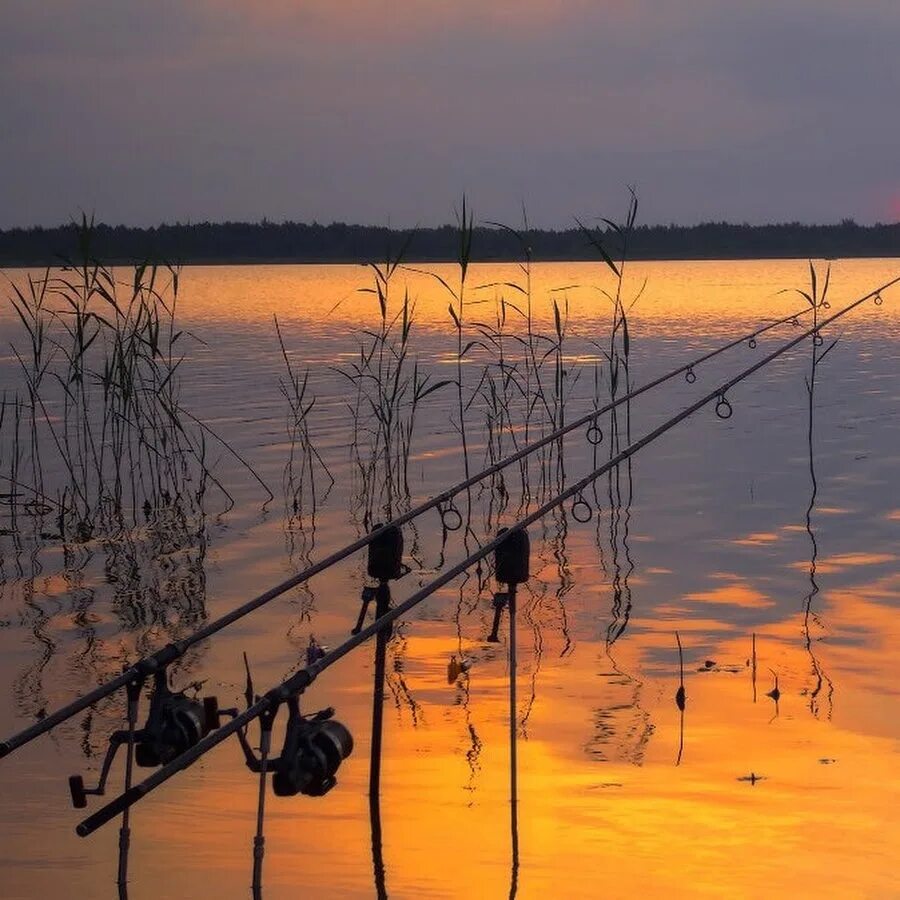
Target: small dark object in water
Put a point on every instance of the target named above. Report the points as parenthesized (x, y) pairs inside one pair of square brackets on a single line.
[(455, 669), (775, 694), (680, 698), (752, 778), (709, 663)]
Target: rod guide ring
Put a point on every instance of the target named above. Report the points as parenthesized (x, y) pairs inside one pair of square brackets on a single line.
[(451, 517), (581, 510), (724, 409), (690, 376), (593, 434)]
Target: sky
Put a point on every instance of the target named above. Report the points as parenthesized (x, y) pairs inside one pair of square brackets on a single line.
[(149, 111)]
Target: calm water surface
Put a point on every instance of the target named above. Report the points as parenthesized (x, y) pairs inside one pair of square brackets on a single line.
[(618, 793)]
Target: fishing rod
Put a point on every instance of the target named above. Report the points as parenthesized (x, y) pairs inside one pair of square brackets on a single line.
[(157, 662), (290, 689)]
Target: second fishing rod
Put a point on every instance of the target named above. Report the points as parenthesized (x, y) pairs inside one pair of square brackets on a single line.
[(150, 666), (289, 690)]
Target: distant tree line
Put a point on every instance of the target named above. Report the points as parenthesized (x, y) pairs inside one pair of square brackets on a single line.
[(240, 242)]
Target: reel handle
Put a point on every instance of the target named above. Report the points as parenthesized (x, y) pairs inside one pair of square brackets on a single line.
[(78, 792)]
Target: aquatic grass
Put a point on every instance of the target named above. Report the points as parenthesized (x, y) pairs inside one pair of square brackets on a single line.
[(389, 387), (817, 299), (101, 371), (304, 459)]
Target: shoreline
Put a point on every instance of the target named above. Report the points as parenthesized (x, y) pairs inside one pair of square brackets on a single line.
[(56, 263)]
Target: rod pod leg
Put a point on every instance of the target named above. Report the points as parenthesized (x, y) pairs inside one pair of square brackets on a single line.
[(513, 749), (133, 690), (266, 720), (382, 605), (512, 568)]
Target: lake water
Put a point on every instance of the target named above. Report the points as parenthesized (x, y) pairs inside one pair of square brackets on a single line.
[(713, 532)]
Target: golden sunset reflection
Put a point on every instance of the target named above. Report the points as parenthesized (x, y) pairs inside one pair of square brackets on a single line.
[(628, 816)]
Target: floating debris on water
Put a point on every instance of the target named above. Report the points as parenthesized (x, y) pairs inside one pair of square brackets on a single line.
[(752, 778)]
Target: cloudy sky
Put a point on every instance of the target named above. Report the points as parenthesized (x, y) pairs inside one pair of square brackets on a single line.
[(145, 111)]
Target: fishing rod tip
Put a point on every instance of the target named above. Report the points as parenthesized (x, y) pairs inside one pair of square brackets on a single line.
[(5, 749)]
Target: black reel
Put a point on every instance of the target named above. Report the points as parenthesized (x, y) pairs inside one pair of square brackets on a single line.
[(314, 748), (174, 724)]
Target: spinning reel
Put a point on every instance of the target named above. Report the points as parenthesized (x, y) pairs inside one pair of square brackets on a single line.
[(314, 748), (174, 724)]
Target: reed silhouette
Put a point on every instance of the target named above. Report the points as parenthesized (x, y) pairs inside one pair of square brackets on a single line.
[(817, 299)]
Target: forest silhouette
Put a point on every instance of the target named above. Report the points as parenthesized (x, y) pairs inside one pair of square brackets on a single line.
[(293, 242)]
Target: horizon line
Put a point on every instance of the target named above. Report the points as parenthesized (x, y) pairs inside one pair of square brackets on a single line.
[(488, 225)]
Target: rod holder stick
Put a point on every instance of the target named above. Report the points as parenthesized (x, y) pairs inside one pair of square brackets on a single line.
[(513, 747), (134, 696), (302, 678), (512, 567), (382, 606), (266, 721), (174, 651)]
